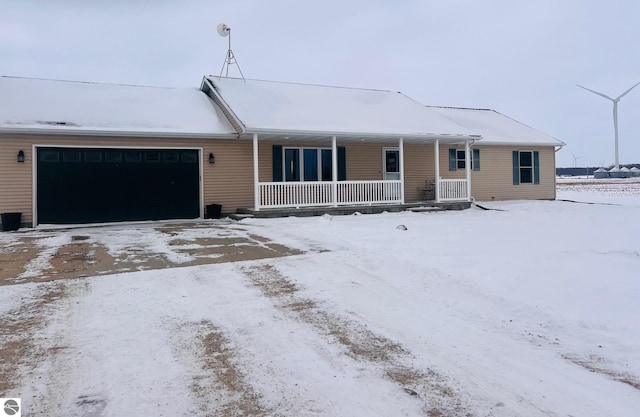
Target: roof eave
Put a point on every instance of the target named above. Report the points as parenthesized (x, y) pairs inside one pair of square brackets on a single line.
[(284, 132), (494, 143), (116, 133)]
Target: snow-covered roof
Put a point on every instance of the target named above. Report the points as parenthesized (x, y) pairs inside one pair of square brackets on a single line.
[(279, 107), (36, 105), (496, 128)]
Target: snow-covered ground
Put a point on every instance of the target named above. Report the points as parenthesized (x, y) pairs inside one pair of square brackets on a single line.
[(528, 311)]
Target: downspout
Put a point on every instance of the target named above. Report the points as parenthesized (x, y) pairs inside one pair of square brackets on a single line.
[(401, 156), (436, 152), (256, 175), (467, 164), (555, 184), (471, 199)]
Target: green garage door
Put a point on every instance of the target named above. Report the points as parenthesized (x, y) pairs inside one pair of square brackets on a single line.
[(108, 185)]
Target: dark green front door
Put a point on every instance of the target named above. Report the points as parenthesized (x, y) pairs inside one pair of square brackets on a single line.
[(77, 185)]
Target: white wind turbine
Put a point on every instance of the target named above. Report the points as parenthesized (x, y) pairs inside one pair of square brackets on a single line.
[(575, 159), (615, 113)]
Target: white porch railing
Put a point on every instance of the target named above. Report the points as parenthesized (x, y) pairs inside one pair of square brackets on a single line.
[(295, 194), (320, 193), (369, 192), (453, 190)]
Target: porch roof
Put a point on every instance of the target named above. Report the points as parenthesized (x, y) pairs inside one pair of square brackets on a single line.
[(303, 111), (496, 128)]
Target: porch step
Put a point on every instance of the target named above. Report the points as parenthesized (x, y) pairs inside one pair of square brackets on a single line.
[(425, 209), (373, 209), (238, 216)]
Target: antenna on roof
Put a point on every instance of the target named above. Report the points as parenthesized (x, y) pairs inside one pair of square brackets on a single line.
[(225, 31)]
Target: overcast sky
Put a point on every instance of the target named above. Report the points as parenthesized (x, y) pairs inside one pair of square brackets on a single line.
[(522, 58)]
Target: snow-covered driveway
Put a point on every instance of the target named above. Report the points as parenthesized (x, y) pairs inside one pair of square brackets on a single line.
[(526, 312), (51, 253)]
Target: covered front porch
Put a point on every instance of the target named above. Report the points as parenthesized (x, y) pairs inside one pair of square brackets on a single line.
[(348, 172)]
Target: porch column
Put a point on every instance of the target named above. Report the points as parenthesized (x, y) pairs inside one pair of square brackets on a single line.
[(436, 153), (401, 149), (334, 170), (467, 164), (256, 177)]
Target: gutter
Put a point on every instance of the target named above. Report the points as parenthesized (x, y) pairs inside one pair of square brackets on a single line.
[(377, 135), (117, 133), (490, 143), (560, 146)]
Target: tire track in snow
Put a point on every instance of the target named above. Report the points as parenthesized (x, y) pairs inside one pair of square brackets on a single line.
[(503, 374), (363, 345), (45, 388), (220, 386), (21, 347), (596, 364)]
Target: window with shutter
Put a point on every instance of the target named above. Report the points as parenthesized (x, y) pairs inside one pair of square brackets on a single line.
[(307, 164), (526, 167), (458, 159)]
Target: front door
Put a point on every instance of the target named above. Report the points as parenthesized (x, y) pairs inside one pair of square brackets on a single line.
[(391, 163)]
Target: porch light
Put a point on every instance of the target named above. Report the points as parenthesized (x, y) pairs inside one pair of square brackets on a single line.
[(20, 155), (212, 158)]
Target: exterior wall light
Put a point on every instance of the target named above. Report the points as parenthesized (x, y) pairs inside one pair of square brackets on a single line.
[(20, 155), (212, 158)]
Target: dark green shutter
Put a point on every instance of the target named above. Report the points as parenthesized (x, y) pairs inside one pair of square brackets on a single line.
[(276, 157), (342, 163), (536, 167), (476, 159), (453, 160), (516, 168)]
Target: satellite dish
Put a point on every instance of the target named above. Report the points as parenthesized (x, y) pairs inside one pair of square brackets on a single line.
[(223, 30)]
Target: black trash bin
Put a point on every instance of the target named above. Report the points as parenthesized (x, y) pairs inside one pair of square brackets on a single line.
[(213, 211), (11, 221)]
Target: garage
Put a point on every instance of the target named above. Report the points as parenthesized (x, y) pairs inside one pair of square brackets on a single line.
[(96, 185)]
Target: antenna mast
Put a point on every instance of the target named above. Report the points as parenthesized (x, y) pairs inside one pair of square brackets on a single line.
[(230, 59)]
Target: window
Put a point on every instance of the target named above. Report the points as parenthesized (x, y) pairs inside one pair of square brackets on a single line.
[(71, 156), (457, 159), (461, 159), (526, 167), (49, 156), (327, 164), (391, 164), (133, 156), (306, 164), (93, 156), (292, 164), (171, 156), (112, 156), (189, 157), (152, 156)]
